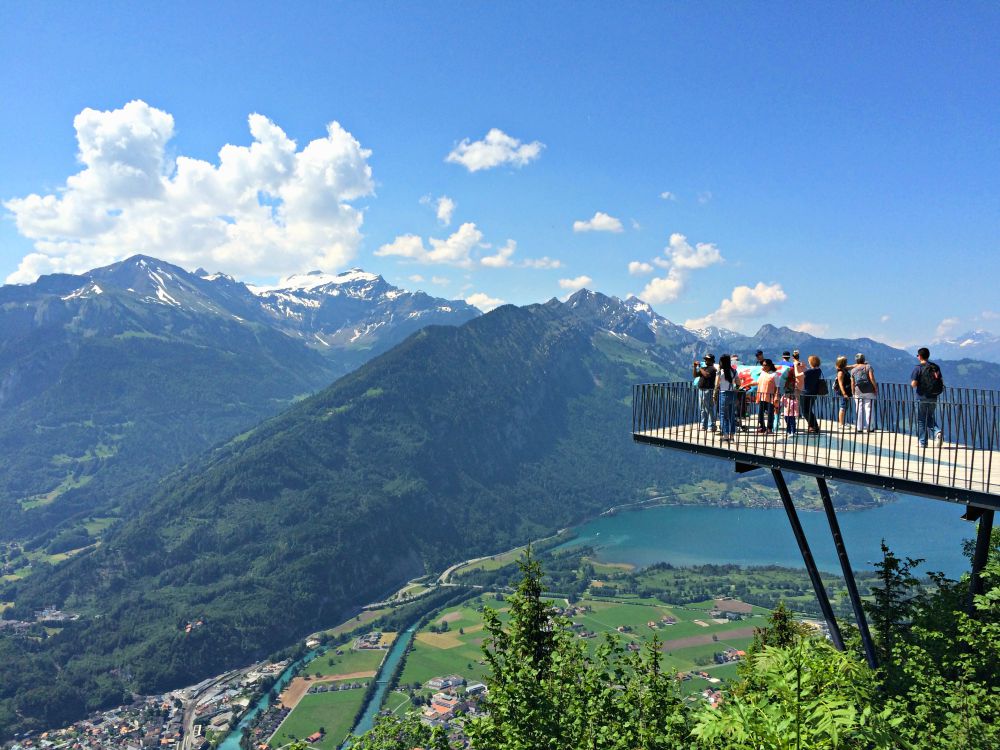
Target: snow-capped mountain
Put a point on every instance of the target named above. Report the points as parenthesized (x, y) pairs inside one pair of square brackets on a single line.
[(631, 317), (970, 345)]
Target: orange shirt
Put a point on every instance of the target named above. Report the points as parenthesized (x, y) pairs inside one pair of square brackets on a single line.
[(767, 388)]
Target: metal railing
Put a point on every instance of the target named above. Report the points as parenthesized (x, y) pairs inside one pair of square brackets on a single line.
[(888, 448)]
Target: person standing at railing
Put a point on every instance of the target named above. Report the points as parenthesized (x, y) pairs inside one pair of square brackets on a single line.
[(811, 389), (767, 396), (706, 374), (726, 386), (865, 393), (927, 381), (842, 387)]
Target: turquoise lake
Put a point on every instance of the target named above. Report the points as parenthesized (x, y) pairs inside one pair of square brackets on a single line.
[(696, 535)]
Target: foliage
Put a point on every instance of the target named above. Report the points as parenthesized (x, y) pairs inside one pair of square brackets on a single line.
[(547, 691), (392, 733), (808, 696)]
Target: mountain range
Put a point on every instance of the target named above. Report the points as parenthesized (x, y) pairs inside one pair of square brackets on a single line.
[(110, 378), (460, 440), (970, 345)]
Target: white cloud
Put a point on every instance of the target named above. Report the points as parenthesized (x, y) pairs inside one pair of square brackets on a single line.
[(545, 262), (440, 280), (573, 284), (664, 289), (483, 301), (745, 302), (946, 326), (445, 210), (681, 258), (704, 197), (989, 315), (885, 318), (637, 268), (668, 196), (495, 149), (635, 225), (417, 278), (455, 250), (267, 209), (600, 222), (813, 329), (502, 258)]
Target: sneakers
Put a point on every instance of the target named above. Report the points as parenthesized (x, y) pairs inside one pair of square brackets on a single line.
[(939, 439)]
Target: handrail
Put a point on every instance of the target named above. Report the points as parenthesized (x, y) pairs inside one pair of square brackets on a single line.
[(968, 418)]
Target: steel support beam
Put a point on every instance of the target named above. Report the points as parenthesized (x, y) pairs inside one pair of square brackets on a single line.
[(845, 566), (980, 556), (807, 558)]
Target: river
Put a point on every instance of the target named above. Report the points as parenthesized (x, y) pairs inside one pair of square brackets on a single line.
[(232, 741), (699, 534)]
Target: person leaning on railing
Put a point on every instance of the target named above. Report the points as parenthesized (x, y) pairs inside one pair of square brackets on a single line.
[(842, 387)]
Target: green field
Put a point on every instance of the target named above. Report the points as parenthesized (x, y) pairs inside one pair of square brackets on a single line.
[(350, 661), (687, 646), (364, 617), (334, 712)]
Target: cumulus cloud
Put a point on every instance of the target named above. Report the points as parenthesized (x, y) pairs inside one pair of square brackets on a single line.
[(267, 209), (454, 250), (599, 222), (440, 280), (573, 284), (483, 301), (545, 262), (680, 258), (813, 329), (638, 268), (668, 196), (502, 258), (745, 302), (946, 326), (885, 318), (417, 278), (495, 149)]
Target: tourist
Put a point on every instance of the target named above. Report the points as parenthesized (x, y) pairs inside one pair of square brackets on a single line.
[(706, 374), (926, 380), (842, 387), (726, 386), (790, 409), (786, 359), (865, 392), (760, 358), (767, 396), (811, 390)]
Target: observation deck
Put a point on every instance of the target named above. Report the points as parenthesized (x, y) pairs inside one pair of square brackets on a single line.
[(963, 468)]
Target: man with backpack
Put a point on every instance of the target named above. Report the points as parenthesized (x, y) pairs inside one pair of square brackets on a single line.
[(706, 373), (927, 381)]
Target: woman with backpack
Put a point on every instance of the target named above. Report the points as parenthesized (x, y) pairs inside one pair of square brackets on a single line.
[(842, 387), (865, 393)]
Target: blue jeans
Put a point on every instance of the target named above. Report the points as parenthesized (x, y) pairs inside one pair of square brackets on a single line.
[(727, 412), (706, 398), (927, 420)]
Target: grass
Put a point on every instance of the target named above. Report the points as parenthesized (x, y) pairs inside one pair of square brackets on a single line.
[(347, 663), (97, 526), (334, 712), (363, 618), (67, 484)]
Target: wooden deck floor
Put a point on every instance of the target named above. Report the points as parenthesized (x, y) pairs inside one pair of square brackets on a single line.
[(881, 458)]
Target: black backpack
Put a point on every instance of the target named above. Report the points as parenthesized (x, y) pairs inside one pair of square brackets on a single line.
[(931, 383)]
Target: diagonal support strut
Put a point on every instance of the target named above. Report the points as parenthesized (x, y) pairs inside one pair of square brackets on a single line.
[(807, 558), (980, 556), (845, 566)]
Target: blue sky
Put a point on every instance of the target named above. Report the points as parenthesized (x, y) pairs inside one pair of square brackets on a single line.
[(834, 168)]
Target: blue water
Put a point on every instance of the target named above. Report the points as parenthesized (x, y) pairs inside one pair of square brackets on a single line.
[(232, 741), (697, 535), (385, 672)]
